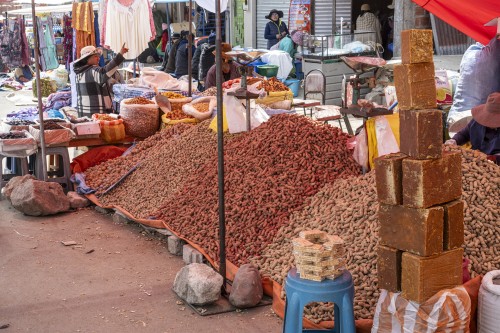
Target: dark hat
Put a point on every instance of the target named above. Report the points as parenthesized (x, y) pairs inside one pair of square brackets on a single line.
[(176, 35), (488, 114), (279, 12)]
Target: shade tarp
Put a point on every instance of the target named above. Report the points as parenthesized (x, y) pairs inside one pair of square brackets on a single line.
[(206, 4), (468, 16)]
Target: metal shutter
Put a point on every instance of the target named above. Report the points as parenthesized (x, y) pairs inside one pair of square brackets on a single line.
[(263, 8), (324, 11)]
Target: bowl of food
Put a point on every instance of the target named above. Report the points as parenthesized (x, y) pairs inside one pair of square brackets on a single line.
[(267, 70)]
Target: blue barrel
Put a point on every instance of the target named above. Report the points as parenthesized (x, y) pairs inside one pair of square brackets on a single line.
[(294, 86)]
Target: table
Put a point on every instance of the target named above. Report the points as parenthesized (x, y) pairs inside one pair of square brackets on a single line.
[(305, 103)]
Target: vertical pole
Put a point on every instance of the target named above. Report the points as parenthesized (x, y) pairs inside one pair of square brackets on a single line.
[(190, 47), (39, 91), (220, 144)]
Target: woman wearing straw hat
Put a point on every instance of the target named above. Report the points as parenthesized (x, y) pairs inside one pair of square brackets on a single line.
[(93, 95), (275, 29), (483, 131), (229, 68)]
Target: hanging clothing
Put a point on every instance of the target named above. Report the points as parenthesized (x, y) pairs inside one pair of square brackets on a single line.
[(127, 25), (98, 38), (103, 7), (25, 48), (10, 44), (68, 40), (48, 53), (83, 22)]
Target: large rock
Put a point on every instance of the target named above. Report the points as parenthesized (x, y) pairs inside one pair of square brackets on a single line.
[(246, 290), (198, 284), (77, 201), (36, 198), (13, 183)]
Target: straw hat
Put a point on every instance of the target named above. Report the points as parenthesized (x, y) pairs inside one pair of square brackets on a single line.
[(488, 114), (88, 51), (225, 47), (279, 12), (365, 7)]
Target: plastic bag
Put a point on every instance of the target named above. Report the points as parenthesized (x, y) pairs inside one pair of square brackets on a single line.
[(111, 130), (213, 123), (236, 115), (190, 110), (140, 120), (60, 76), (488, 320), (360, 154), (446, 311), (386, 141)]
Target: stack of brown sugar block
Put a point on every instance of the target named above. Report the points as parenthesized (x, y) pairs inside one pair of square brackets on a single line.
[(419, 189)]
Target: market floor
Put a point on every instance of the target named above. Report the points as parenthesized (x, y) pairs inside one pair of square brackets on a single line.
[(118, 278)]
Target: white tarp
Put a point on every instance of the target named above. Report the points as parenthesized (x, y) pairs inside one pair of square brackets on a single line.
[(47, 9)]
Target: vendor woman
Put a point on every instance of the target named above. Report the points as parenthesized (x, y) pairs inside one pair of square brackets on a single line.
[(229, 68), (483, 131), (275, 29), (93, 95)]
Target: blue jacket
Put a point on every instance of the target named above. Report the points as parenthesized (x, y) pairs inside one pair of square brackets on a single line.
[(482, 138), (181, 58), (272, 29)]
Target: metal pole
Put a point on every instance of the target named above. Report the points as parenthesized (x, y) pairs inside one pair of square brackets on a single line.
[(39, 91), (220, 145), (190, 47)]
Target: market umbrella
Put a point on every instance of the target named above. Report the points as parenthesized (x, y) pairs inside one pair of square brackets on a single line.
[(468, 16)]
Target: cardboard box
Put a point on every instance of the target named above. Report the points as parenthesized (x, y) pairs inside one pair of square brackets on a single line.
[(389, 175), (416, 46), (415, 86), (88, 128)]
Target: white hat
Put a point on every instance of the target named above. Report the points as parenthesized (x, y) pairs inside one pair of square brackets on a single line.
[(365, 7), (88, 51), (391, 6)]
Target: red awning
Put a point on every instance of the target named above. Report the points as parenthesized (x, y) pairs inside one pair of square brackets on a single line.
[(468, 16)]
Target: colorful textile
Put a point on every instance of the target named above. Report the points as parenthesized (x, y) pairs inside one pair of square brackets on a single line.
[(83, 22), (48, 54), (10, 44), (68, 40), (25, 48)]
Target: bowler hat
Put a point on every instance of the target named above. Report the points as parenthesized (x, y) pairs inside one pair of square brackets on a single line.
[(279, 12), (365, 7), (488, 114)]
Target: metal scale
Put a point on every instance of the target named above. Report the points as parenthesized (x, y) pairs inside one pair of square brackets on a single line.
[(245, 59)]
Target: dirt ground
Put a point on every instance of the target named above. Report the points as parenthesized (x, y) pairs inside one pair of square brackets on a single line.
[(118, 278)]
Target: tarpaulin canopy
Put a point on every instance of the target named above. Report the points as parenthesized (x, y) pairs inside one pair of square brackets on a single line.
[(468, 16)]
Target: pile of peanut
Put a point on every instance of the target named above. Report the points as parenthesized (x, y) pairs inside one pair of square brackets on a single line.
[(139, 100), (201, 107), (212, 91), (102, 176), (165, 168), (173, 95), (104, 117), (269, 173), (177, 113)]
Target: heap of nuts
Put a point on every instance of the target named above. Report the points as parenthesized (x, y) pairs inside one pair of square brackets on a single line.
[(103, 116), (212, 91), (201, 107), (273, 85), (12, 135), (177, 114), (172, 95), (139, 100), (51, 125)]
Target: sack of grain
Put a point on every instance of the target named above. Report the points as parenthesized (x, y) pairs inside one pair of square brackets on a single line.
[(140, 116), (201, 108)]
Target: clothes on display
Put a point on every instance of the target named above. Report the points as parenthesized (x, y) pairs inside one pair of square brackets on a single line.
[(126, 24), (47, 47), (68, 40), (25, 48), (10, 44), (83, 23)]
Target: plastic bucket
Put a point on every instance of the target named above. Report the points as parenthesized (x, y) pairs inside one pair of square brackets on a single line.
[(294, 86)]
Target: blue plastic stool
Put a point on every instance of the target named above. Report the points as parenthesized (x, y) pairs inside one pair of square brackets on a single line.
[(300, 292)]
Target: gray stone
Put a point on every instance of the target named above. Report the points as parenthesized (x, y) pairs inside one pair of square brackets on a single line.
[(190, 255), (174, 245), (164, 232), (77, 201), (37, 198), (103, 210), (198, 284), (16, 181), (247, 289), (119, 217)]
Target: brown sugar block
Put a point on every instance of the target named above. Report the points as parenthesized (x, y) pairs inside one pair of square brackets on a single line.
[(416, 230), (422, 277), (415, 86), (389, 268), (389, 174), (432, 182), (421, 133), (416, 46), (453, 236)]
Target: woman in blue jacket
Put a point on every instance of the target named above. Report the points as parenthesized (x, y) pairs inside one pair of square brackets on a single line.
[(275, 29)]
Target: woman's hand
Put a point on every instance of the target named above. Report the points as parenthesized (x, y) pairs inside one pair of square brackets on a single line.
[(123, 50)]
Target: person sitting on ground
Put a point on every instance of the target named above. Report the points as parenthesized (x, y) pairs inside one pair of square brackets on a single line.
[(170, 67), (229, 68), (483, 131), (93, 95), (181, 59), (24, 74)]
